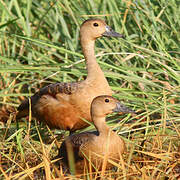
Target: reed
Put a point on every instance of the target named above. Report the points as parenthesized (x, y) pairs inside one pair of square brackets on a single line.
[(39, 44)]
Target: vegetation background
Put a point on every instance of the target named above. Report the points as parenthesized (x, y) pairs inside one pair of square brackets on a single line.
[(39, 45)]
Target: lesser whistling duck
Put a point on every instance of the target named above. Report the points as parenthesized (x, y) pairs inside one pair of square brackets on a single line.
[(65, 105), (94, 146)]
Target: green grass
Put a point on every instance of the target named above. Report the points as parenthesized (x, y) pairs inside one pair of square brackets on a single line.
[(39, 44)]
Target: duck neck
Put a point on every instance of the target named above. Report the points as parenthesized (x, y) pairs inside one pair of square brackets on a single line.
[(101, 126), (93, 69)]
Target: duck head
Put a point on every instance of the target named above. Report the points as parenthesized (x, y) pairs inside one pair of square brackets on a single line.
[(95, 28), (103, 105)]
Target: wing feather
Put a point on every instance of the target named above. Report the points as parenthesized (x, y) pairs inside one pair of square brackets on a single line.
[(52, 90)]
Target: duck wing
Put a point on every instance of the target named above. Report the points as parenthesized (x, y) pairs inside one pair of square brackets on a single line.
[(51, 90), (73, 144)]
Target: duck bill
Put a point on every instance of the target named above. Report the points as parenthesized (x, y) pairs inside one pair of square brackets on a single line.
[(122, 108), (111, 33)]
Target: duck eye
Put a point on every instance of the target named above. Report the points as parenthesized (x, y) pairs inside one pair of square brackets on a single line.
[(107, 100), (95, 24)]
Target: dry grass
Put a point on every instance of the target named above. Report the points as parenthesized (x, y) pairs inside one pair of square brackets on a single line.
[(39, 45)]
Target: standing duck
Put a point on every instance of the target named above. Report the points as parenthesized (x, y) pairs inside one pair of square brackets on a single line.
[(88, 149), (66, 105)]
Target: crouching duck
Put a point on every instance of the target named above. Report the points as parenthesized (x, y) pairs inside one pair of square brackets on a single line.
[(66, 105), (88, 149)]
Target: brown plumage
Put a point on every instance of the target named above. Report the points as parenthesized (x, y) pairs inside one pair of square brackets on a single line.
[(94, 146), (65, 105)]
